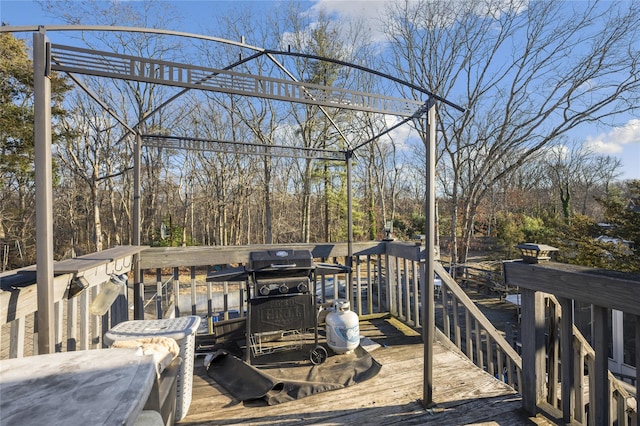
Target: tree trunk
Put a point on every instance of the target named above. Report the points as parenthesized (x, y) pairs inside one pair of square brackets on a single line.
[(97, 224), (306, 203)]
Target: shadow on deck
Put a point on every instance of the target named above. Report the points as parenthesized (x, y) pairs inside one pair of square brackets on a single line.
[(463, 393)]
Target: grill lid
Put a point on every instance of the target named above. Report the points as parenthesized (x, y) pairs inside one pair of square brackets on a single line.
[(280, 261)]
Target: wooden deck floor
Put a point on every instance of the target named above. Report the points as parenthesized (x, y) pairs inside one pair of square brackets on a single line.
[(463, 394)]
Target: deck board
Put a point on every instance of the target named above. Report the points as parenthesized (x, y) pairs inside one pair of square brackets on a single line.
[(463, 393)]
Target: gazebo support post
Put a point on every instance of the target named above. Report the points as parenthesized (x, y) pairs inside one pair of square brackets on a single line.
[(44, 191), (428, 314)]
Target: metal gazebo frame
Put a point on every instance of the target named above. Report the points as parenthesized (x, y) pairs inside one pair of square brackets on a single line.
[(49, 57)]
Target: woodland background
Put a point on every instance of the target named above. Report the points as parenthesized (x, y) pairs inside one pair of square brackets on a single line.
[(508, 171)]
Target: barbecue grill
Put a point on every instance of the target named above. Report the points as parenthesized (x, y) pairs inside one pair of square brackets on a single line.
[(281, 304)]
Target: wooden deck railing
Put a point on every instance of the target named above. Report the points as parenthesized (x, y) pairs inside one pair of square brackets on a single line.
[(74, 327), (385, 279), (582, 375), (482, 342), (562, 373), (181, 288)]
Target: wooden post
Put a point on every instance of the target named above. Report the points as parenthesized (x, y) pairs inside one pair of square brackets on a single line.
[(637, 363), (566, 357), (533, 350), (601, 373)]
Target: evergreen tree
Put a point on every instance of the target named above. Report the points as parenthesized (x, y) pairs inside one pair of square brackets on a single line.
[(17, 184)]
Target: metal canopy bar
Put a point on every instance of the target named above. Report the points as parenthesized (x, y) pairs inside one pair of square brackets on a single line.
[(91, 62), (245, 148), (368, 70), (419, 113)]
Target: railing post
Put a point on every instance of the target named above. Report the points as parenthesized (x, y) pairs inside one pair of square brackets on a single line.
[(533, 350), (566, 357), (637, 364), (601, 373)]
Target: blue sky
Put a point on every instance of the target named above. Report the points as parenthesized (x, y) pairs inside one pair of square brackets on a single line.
[(621, 140)]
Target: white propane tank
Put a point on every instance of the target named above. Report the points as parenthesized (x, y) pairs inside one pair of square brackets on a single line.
[(343, 328)]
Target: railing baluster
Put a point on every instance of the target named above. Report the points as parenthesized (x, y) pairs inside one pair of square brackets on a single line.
[(500, 364), (578, 380), (194, 301), (479, 357), (392, 286), (209, 307), (358, 287), (467, 334), (95, 323), (35, 333), (369, 286), (58, 320), (85, 331), (552, 356), (225, 300), (591, 367), (176, 291), (398, 288), (159, 293), (416, 293), (490, 365), (378, 273), (510, 375), (621, 407), (17, 338), (456, 321), (446, 326), (72, 324)]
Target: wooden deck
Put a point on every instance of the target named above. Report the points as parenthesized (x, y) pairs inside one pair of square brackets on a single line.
[(463, 393)]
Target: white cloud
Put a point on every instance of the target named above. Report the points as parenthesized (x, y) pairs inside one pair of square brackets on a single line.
[(373, 12), (614, 141), (403, 135), (369, 11)]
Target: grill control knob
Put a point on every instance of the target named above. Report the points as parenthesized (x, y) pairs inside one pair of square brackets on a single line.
[(284, 289), (264, 290), (303, 287)]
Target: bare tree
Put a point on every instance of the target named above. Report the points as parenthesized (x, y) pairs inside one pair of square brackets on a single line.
[(576, 168), (131, 101), (526, 72)]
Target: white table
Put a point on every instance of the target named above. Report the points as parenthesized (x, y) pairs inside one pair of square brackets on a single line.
[(96, 387)]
